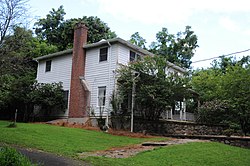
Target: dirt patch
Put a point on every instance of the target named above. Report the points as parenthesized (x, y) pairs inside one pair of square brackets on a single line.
[(128, 151), (122, 152), (129, 134), (87, 126)]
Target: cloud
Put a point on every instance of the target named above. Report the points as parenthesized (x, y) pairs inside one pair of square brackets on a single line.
[(229, 24), (247, 32), (166, 11)]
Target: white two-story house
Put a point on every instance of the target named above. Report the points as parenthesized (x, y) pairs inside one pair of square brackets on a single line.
[(88, 72)]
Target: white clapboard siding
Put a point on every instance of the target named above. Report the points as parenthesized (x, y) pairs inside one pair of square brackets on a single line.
[(60, 72), (99, 74), (123, 54)]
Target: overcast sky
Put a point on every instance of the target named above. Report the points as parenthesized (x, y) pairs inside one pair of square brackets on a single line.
[(222, 26)]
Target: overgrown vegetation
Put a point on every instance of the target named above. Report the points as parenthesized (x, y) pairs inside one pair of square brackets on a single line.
[(46, 97), (10, 157), (225, 93), (154, 88)]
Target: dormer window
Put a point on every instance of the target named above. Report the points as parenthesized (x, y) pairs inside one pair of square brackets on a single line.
[(103, 54), (133, 56), (48, 66)]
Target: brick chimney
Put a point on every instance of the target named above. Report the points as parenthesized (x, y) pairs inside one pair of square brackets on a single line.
[(77, 104)]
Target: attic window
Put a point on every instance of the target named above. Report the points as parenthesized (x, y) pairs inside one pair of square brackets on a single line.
[(103, 54), (48, 66), (133, 56)]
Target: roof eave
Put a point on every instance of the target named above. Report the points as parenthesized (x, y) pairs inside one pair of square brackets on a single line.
[(65, 52), (118, 40)]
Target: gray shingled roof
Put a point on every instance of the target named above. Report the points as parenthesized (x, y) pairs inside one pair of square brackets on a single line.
[(65, 52), (108, 42), (118, 40)]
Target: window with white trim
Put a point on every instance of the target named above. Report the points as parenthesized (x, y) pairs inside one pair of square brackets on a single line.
[(101, 96), (103, 56)]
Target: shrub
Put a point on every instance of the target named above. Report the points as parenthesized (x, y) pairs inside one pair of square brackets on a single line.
[(10, 157)]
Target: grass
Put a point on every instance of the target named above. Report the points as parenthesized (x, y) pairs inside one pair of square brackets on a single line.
[(70, 141), (61, 140), (200, 154), (9, 156)]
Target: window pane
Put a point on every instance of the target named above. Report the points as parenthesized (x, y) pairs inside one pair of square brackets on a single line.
[(138, 57), (66, 97), (48, 66), (132, 56), (101, 95), (103, 54)]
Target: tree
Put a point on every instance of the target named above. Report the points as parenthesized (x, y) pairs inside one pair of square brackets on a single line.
[(18, 71), (18, 52), (49, 97), (178, 49), (227, 81), (154, 89), (237, 92), (50, 28), (136, 39), (59, 32), (11, 13)]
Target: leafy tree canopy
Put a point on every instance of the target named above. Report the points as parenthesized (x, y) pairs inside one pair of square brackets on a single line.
[(136, 39), (178, 49), (18, 70), (227, 81), (59, 32), (154, 89)]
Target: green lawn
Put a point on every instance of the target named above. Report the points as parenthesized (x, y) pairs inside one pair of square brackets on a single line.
[(61, 140), (195, 154), (70, 141)]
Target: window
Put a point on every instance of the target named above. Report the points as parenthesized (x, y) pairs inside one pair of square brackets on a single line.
[(66, 97), (103, 54), (133, 56), (48, 66), (101, 96)]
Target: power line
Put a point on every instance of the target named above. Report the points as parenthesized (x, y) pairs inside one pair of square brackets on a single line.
[(238, 52)]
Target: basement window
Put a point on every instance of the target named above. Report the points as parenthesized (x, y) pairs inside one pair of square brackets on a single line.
[(103, 54), (48, 66)]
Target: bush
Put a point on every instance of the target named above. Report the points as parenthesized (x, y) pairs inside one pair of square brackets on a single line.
[(10, 157)]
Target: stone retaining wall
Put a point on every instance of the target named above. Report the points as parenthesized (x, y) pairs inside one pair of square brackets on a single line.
[(178, 128), (243, 142), (183, 130)]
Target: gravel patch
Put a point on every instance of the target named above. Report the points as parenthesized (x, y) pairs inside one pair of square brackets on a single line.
[(129, 151)]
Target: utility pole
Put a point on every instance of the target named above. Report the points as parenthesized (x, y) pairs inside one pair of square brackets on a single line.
[(135, 75)]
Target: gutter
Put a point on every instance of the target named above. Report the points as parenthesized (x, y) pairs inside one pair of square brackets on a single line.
[(65, 52)]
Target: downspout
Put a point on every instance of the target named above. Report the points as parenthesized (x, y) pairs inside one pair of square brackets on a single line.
[(110, 50)]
